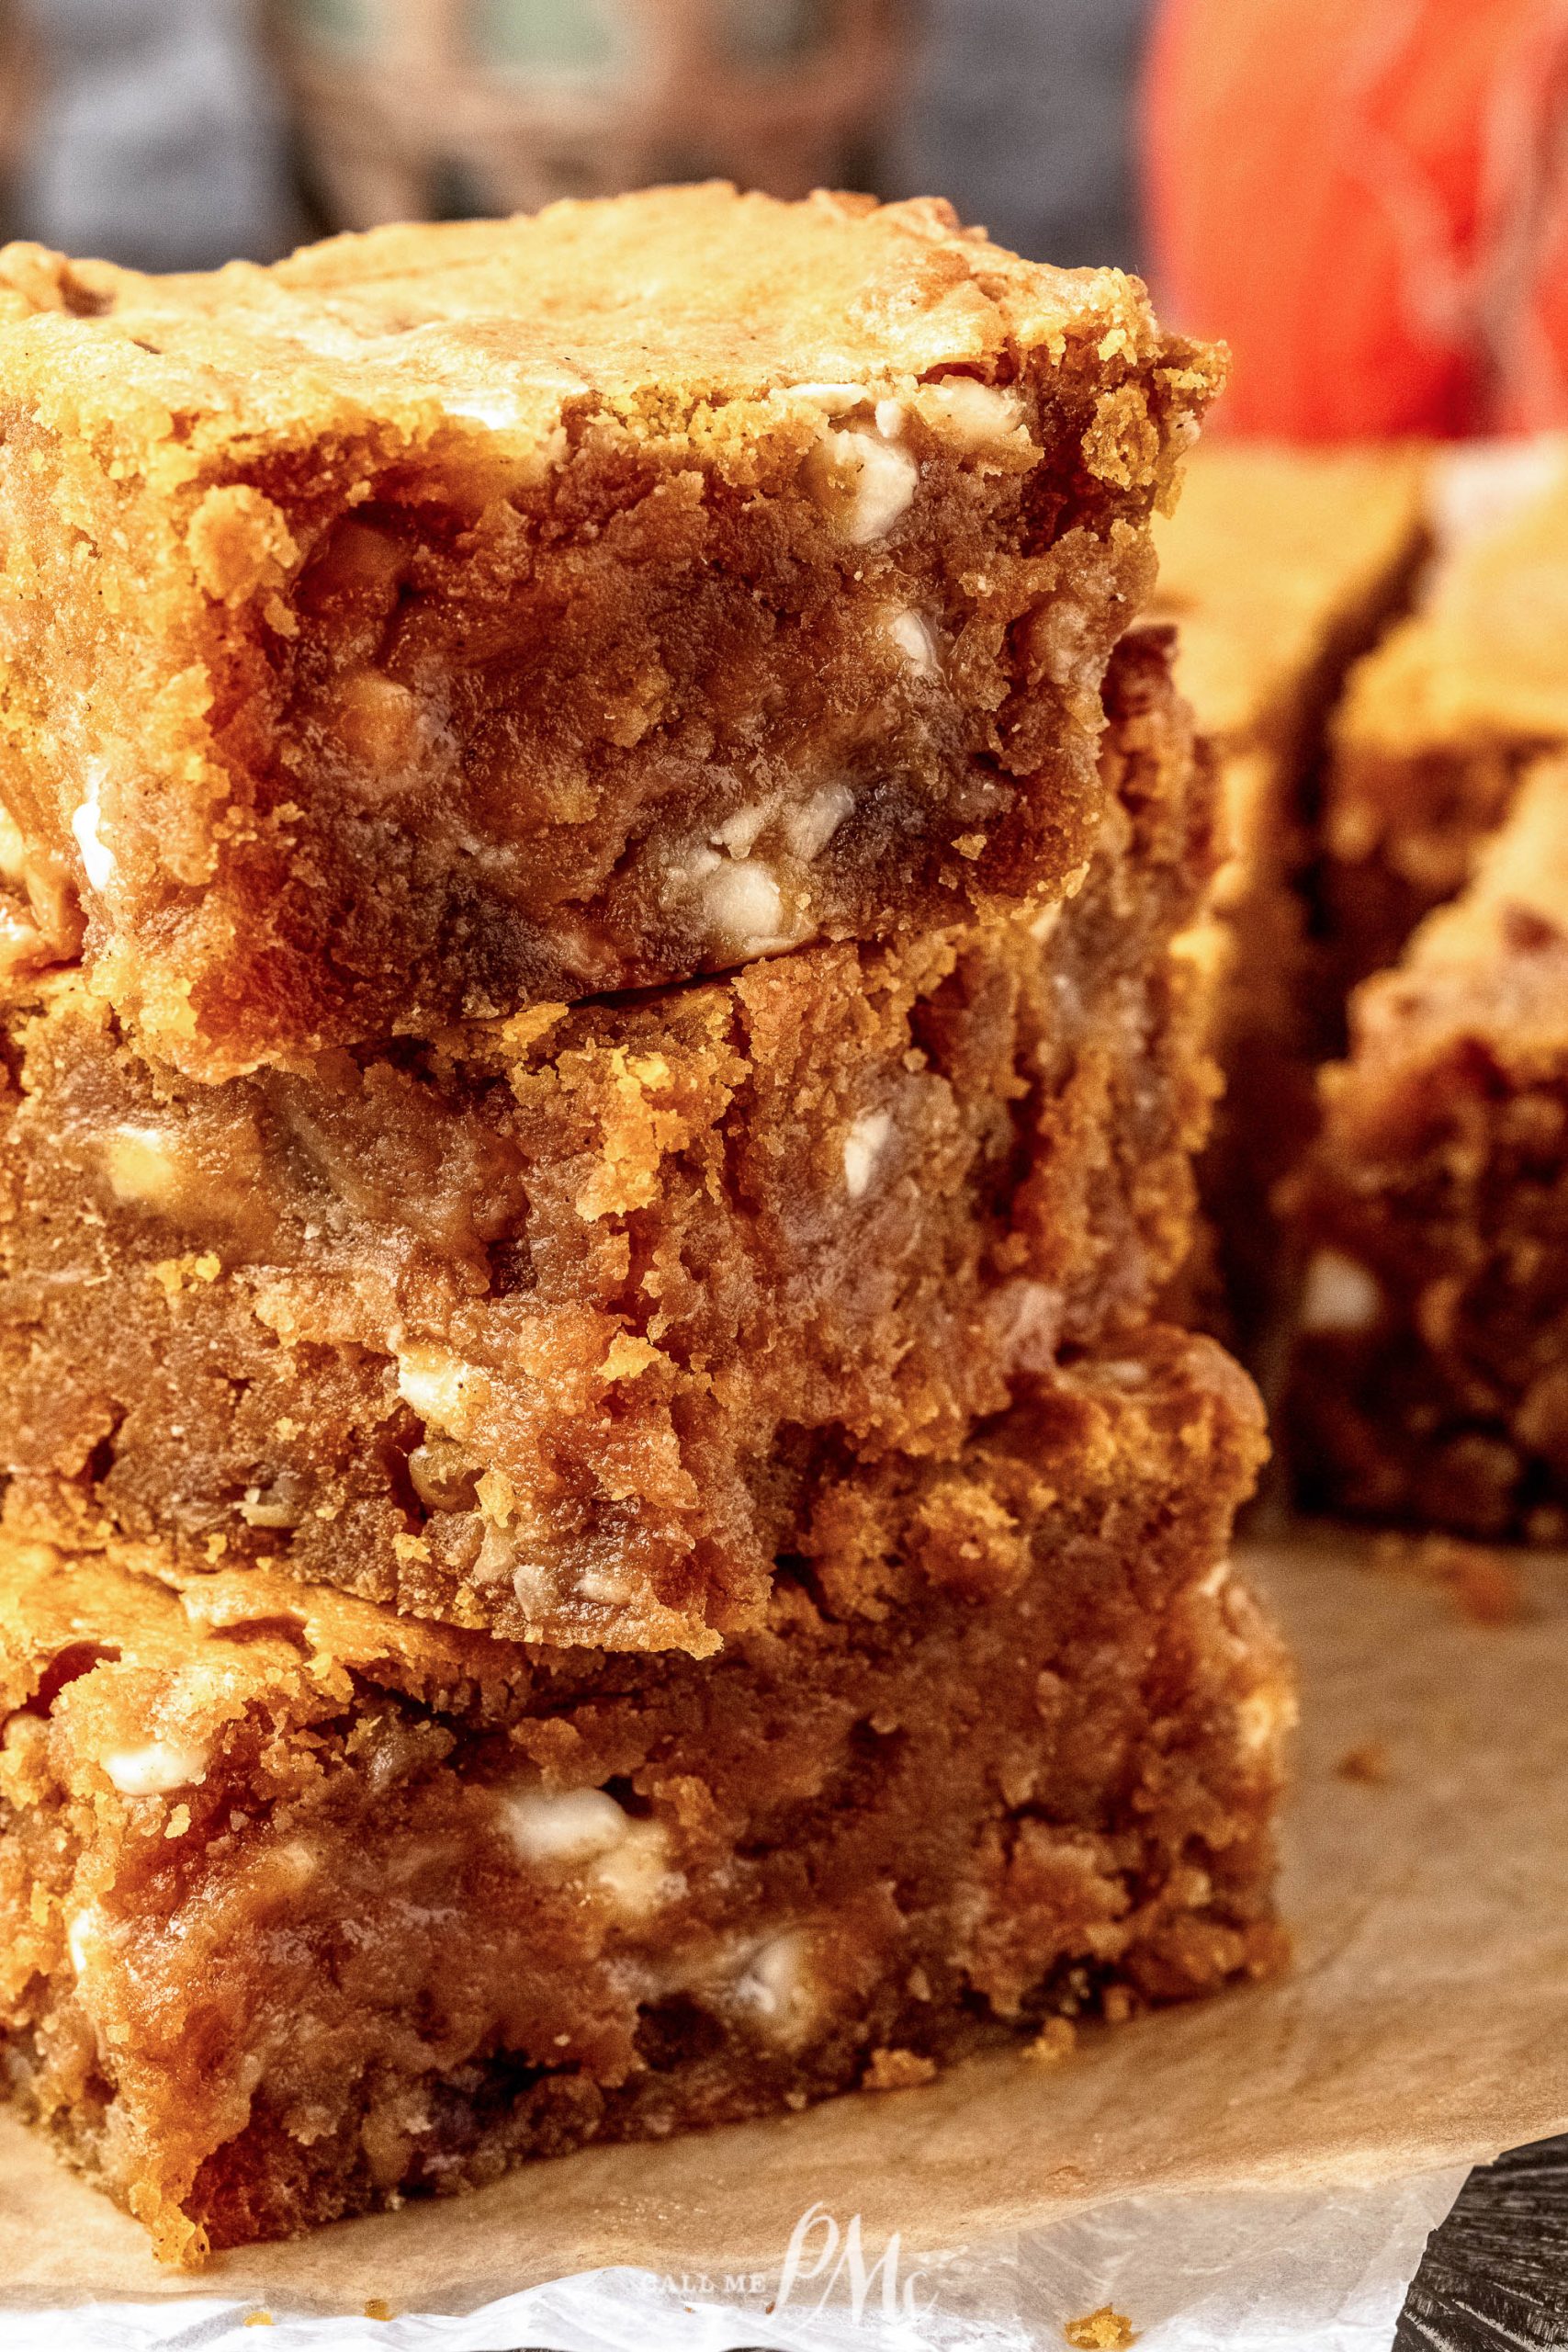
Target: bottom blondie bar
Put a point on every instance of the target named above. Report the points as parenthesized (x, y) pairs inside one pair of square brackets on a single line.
[(1430, 1375), (307, 1908)]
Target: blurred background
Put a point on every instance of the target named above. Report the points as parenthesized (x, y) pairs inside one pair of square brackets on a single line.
[(1367, 197)]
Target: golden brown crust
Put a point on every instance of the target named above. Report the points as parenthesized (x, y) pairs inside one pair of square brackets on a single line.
[(669, 298)]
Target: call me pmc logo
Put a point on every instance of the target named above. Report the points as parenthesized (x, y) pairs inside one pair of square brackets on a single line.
[(826, 2267)]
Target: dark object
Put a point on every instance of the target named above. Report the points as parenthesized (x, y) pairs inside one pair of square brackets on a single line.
[(1495, 2273), (154, 138), (1020, 115)]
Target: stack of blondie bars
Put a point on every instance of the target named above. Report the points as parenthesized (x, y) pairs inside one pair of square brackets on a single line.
[(600, 1532)]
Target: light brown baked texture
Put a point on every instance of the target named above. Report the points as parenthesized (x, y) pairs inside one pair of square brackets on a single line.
[(1430, 1376), (305, 1907), (1279, 566), (541, 1326), (454, 619), (1439, 722)]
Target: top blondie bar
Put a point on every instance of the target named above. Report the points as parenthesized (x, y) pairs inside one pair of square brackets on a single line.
[(452, 617)]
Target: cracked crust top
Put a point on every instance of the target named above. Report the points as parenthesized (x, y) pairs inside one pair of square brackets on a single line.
[(656, 302)]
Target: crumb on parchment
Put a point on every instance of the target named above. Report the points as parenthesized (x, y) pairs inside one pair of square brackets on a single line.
[(897, 2070), (1483, 1581), (1056, 2040), (1102, 2331), (1369, 1763)]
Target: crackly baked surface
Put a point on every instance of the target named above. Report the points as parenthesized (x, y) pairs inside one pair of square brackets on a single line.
[(456, 618), (1280, 567), (1439, 722), (542, 1325), (307, 1908), (1430, 1379)]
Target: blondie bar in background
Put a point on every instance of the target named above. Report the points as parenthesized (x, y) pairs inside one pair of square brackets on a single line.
[(1430, 1382), (1278, 567), (1431, 1329), (1437, 725)]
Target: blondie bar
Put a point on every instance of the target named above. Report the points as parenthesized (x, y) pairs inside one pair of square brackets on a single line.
[(452, 618), (1430, 1381), (307, 1908), (1280, 567), (536, 1324), (1439, 722)]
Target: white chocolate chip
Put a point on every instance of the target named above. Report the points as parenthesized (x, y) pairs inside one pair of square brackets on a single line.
[(500, 410), (586, 1833), (572, 1827), (97, 860), (141, 1164), (1338, 1295), (976, 415), (153, 1771), (775, 1987), (738, 833), (283, 1504), (694, 864), (889, 419), (532, 1583), (743, 909), (635, 1876), (914, 641), (435, 1381), (863, 1148), (832, 398), (1061, 640), (81, 1934), (867, 483), (1043, 924), (808, 829)]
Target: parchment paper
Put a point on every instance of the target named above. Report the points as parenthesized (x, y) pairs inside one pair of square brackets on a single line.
[(1424, 2026)]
